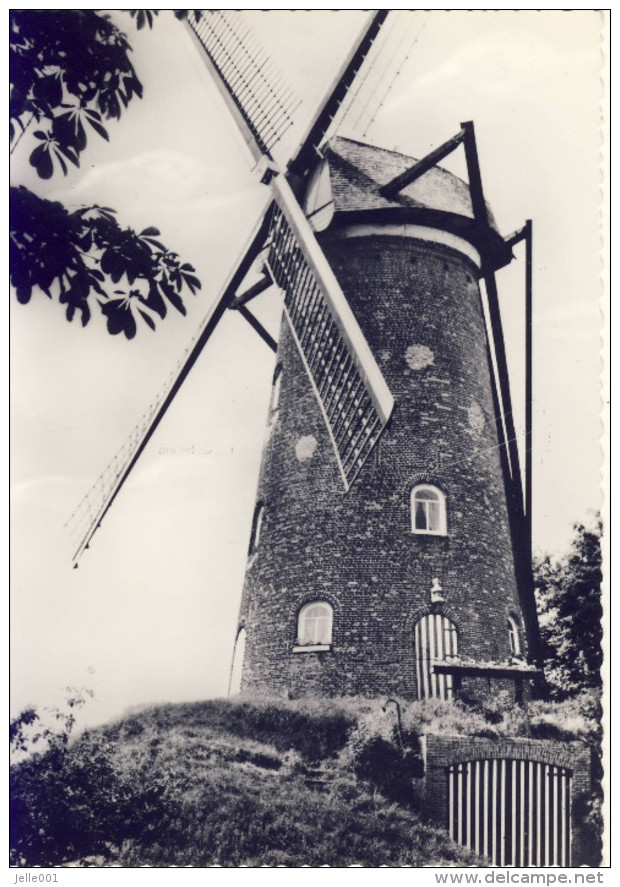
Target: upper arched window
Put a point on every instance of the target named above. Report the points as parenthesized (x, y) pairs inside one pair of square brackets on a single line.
[(428, 510), (513, 636), (275, 394), (257, 524), (314, 625)]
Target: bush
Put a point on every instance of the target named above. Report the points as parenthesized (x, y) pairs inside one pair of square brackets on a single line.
[(68, 803)]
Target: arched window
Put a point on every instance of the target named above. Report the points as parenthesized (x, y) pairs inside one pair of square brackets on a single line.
[(513, 636), (428, 510), (275, 394), (257, 523), (237, 664), (314, 625), (436, 641)]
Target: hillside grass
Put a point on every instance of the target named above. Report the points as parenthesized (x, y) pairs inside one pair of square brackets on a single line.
[(234, 782)]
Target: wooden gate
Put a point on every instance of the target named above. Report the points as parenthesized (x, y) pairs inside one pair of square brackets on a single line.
[(517, 813), (435, 641)]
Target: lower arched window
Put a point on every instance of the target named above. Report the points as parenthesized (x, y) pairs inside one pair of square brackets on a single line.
[(314, 624), (237, 664), (436, 641)]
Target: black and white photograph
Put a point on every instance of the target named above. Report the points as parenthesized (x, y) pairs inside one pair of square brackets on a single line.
[(309, 462)]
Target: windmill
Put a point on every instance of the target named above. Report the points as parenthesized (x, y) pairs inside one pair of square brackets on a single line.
[(390, 545)]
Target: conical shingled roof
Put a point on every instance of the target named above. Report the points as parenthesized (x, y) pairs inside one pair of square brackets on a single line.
[(358, 171)]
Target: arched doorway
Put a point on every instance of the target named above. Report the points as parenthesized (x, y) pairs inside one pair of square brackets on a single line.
[(435, 640)]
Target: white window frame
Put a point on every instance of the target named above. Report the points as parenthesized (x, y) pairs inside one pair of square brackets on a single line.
[(441, 502), (318, 643)]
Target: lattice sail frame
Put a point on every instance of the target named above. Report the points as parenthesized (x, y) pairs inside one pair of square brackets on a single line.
[(354, 416), (264, 102)]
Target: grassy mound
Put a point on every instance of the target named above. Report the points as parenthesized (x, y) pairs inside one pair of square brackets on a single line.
[(310, 782)]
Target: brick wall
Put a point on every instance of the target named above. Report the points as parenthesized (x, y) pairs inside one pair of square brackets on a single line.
[(419, 307)]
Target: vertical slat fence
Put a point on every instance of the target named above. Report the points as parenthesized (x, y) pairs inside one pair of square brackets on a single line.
[(517, 813)]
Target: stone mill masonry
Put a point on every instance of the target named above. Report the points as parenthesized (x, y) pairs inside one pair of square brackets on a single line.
[(379, 571)]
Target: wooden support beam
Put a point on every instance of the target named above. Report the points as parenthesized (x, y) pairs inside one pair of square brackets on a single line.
[(516, 236), (516, 505), (499, 425), (418, 169), (528, 379), (257, 325), (499, 348), (525, 233), (255, 290), (519, 516), (487, 671), (478, 202)]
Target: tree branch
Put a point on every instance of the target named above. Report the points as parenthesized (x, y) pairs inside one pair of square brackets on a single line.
[(20, 136)]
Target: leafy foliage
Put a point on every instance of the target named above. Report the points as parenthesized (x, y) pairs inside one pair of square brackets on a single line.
[(70, 69), (80, 254), (569, 601), (70, 72), (147, 16)]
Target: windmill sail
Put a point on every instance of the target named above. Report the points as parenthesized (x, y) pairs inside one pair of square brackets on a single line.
[(88, 515), (352, 393), (336, 95), (261, 103), (354, 398)]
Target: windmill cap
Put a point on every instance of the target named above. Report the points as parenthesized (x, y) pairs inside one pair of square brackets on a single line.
[(358, 171)]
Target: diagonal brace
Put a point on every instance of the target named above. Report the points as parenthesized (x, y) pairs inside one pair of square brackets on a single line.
[(255, 290), (396, 185), (478, 203), (257, 325)]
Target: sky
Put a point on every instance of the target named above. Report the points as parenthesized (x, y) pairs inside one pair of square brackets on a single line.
[(150, 615)]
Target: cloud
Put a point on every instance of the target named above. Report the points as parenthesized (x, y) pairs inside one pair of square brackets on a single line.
[(504, 65), (158, 175)]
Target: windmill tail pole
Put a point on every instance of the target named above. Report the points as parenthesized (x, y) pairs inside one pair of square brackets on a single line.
[(208, 325), (526, 234), (519, 500)]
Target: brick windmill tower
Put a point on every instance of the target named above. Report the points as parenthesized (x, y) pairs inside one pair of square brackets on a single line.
[(390, 545)]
